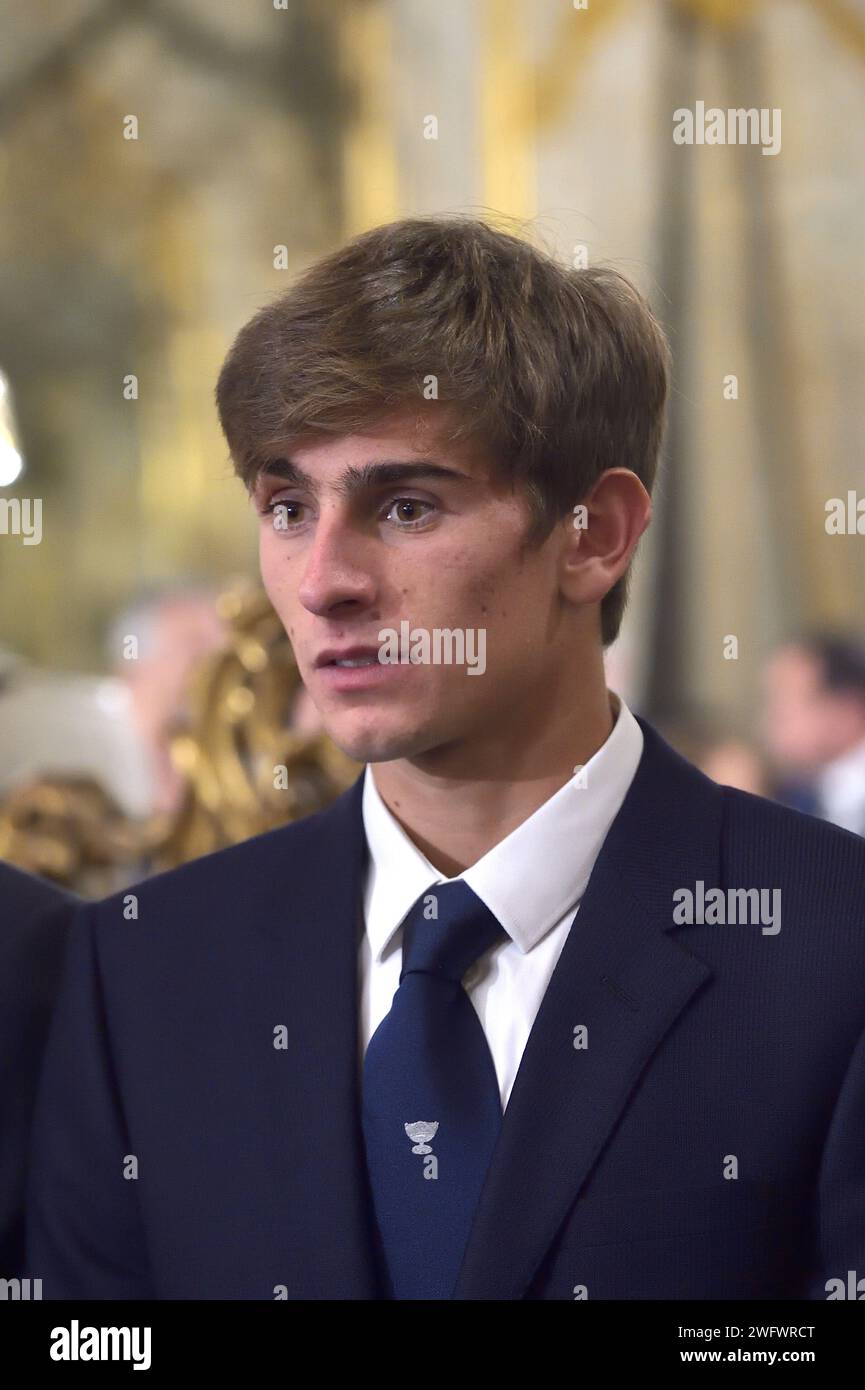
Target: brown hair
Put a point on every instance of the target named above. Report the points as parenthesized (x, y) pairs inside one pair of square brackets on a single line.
[(561, 373)]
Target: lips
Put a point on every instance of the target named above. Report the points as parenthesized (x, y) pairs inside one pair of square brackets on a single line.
[(348, 658)]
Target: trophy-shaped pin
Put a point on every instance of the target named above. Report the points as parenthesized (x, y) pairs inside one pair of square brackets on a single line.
[(420, 1132)]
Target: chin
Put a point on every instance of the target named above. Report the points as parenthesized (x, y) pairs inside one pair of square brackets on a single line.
[(371, 745)]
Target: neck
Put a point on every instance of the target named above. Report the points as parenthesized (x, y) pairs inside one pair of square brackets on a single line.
[(456, 808)]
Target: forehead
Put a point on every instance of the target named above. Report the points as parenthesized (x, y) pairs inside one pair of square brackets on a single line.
[(409, 435)]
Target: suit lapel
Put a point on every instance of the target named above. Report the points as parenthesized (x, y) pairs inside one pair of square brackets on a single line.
[(623, 978), (313, 933)]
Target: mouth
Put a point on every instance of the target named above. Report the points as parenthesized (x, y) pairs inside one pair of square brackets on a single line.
[(353, 669), (351, 658)]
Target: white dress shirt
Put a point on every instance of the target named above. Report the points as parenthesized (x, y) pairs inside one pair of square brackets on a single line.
[(841, 790), (532, 881)]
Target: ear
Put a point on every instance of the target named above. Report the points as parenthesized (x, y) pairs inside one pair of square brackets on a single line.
[(603, 535)]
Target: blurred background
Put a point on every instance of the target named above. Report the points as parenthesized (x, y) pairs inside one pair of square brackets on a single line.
[(167, 167)]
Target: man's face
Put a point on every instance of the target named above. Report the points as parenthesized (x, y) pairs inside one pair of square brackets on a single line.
[(384, 528), (805, 724)]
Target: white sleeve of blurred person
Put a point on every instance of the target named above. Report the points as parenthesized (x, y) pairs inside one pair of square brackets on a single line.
[(55, 724), (113, 728), (841, 788)]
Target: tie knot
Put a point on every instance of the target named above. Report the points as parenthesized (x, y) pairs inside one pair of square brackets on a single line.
[(446, 931)]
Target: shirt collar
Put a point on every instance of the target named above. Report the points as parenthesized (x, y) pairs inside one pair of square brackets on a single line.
[(529, 879)]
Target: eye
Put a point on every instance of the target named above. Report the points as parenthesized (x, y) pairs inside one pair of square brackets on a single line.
[(408, 514), (284, 511)]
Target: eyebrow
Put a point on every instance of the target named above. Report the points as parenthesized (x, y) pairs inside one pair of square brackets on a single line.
[(358, 478)]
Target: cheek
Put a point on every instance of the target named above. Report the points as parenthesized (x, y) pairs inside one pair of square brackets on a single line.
[(280, 591), (506, 590), (491, 581), (271, 564), (519, 613)]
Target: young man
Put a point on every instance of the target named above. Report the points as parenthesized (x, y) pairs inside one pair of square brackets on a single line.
[(535, 1010)]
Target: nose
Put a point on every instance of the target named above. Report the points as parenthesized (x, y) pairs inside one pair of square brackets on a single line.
[(337, 570)]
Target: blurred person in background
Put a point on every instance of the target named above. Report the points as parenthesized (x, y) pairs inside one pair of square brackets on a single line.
[(114, 728), (155, 647), (725, 754), (814, 725), (66, 726)]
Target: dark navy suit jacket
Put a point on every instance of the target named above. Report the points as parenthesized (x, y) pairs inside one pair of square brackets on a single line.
[(708, 1142), (34, 916)]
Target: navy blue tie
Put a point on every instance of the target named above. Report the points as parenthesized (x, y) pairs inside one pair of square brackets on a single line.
[(431, 1103)]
